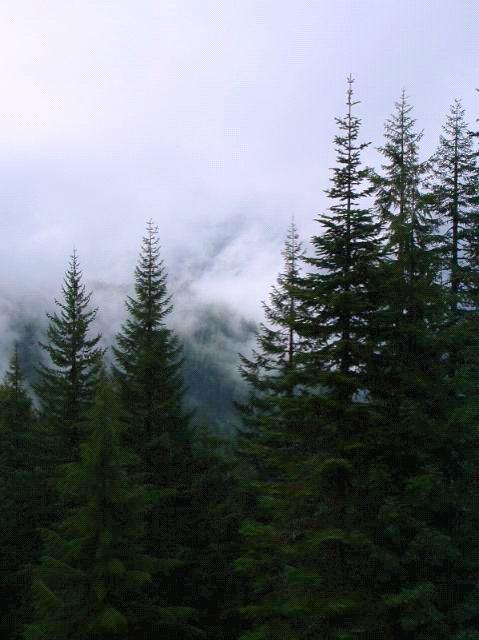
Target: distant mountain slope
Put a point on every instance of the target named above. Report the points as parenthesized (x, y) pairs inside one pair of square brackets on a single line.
[(212, 340)]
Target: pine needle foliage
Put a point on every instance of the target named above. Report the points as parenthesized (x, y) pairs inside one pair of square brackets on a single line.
[(272, 371), (66, 385), (455, 189), (306, 552), (93, 575), (149, 380), (23, 493), (148, 361)]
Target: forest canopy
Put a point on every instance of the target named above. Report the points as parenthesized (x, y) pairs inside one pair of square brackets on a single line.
[(341, 504)]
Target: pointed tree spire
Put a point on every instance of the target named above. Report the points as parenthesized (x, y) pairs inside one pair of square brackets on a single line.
[(301, 551), (66, 385), (340, 288), (14, 382), (398, 195), (148, 354), (277, 337), (272, 369), (455, 188), (413, 254), (149, 381)]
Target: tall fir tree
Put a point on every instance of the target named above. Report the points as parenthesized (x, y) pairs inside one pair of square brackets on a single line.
[(16, 405), (265, 446), (91, 582), (341, 291), (66, 384), (330, 547), (418, 439), (456, 200), (455, 188), (148, 374), (316, 545), (412, 300), (148, 354), (414, 258), (23, 490), (217, 507), (272, 371)]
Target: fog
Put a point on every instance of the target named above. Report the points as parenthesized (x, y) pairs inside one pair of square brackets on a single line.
[(215, 119)]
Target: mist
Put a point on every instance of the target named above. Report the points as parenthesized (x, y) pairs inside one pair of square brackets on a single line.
[(213, 119)]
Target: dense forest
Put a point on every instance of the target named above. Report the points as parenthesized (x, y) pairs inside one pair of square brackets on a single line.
[(344, 503)]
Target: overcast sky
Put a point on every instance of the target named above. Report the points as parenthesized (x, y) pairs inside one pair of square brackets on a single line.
[(213, 117)]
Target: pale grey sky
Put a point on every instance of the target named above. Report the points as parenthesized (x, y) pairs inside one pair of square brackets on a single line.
[(213, 117)]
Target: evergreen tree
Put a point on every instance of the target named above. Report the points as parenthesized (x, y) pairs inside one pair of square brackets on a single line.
[(341, 291), (272, 371), (412, 300), (456, 199), (16, 406), (420, 439), (217, 507), (148, 359), (414, 259), (23, 492), (93, 575), (329, 546), (368, 512), (66, 386), (148, 375), (309, 556)]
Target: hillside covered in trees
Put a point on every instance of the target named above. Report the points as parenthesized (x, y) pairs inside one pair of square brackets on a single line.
[(145, 495)]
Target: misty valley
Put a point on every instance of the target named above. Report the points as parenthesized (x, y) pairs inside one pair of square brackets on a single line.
[(313, 477)]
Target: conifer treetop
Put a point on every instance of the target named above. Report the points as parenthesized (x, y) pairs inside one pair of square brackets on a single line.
[(151, 302), (398, 189), (66, 385), (455, 169), (67, 331), (147, 353), (454, 186), (17, 403), (14, 379), (277, 338), (281, 307)]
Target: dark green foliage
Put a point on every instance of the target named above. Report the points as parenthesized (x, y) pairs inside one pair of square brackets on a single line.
[(305, 549), (148, 376), (273, 374), (66, 386), (412, 300), (272, 371), (217, 511), (23, 492), (210, 351), (15, 404), (148, 360), (414, 261), (347, 506), (455, 189), (413, 443), (365, 522), (341, 292), (94, 574), (421, 444), (325, 540)]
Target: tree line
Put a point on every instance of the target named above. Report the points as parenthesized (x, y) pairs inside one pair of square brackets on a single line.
[(346, 506)]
